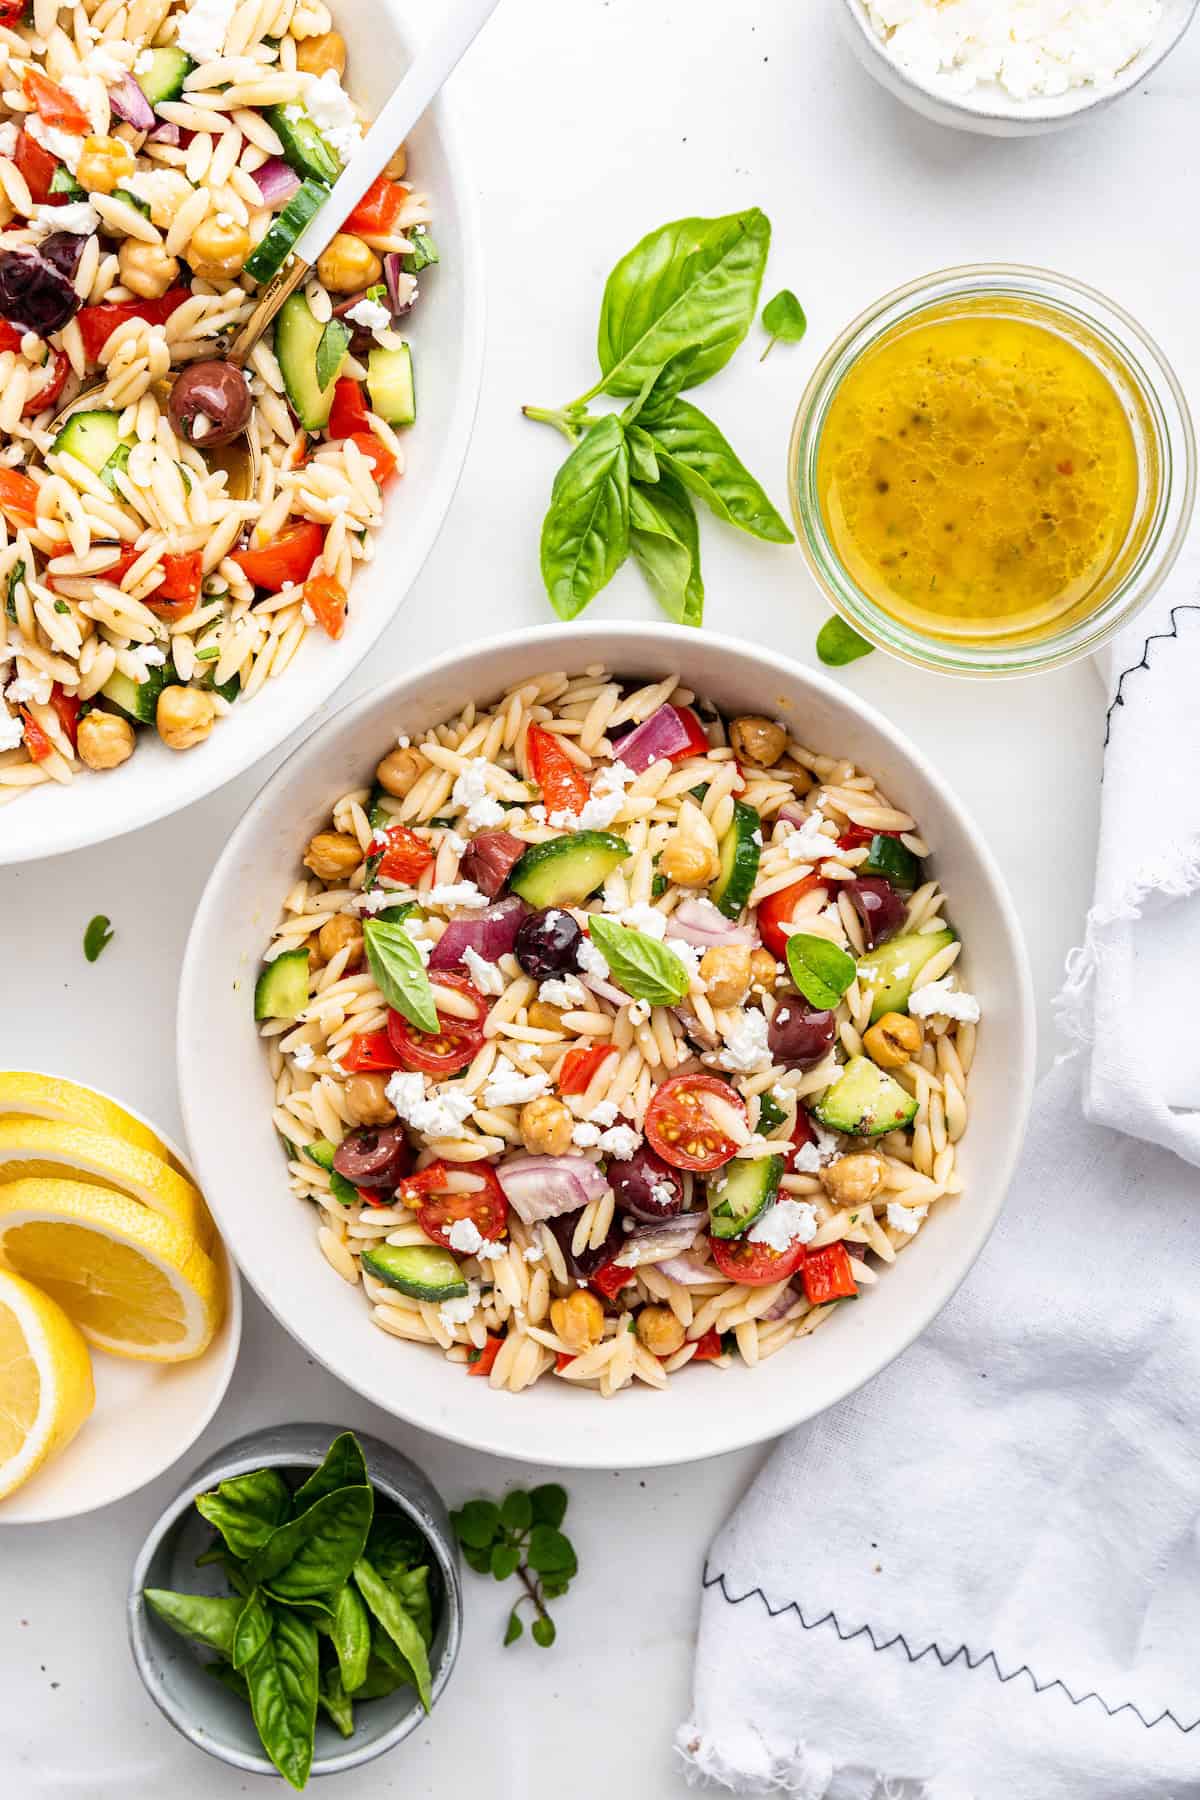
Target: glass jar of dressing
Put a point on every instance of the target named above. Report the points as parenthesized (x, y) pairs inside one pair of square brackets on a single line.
[(991, 470)]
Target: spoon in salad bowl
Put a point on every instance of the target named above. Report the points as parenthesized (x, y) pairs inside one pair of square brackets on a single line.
[(209, 403)]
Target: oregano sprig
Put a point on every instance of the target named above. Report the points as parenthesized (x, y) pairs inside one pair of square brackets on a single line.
[(520, 1536)]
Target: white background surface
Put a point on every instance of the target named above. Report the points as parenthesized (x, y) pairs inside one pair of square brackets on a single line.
[(588, 124)]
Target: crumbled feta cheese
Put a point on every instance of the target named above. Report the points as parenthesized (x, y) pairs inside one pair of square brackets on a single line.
[(329, 108), (455, 842), (80, 217), (604, 802), (29, 687), (438, 1114), (370, 315), (533, 1253), (402, 742), (373, 900), (64, 146), (566, 992), (145, 657), (745, 1047), (604, 1113), (304, 1056), (144, 62), (647, 919), (508, 1087), (486, 975), (103, 63), (784, 1224), (620, 1142), (591, 961), (943, 998), (470, 790), (808, 843), (12, 731), (662, 1193), (465, 1236), (456, 893), (422, 945), (203, 27), (538, 813), (460, 1310), (905, 1218), (587, 1136), (639, 1012), (8, 138), (689, 956)]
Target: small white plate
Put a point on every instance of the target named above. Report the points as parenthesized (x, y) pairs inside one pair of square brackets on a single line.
[(146, 1414)]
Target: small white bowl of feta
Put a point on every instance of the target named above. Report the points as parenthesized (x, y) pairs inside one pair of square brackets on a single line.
[(1012, 68)]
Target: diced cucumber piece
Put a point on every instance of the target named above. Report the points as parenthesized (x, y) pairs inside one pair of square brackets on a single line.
[(378, 817), (323, 1153), (565, 870), (163, 79), (770, 1114), (90, 437), (741, 848), (281, 991), (889, 972), (331, 351), (894, 861), (865, 1101), (303, 146), (63, 182), (139, 699), (390, 384), (277, 245), (420, 1271), (297, 340), (739, 1192), (139, 206), (424, 252), (119, 460)]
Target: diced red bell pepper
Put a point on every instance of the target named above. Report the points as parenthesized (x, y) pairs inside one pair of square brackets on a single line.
[(348, 413), (383, 463), (12, 11), (563, 1360), (179, 590), (856, 836), (370, 1052), (67, 708), (610, 1279), (53, 104), (563, 786), (289, 557), (97, 323), (18, 497), (39, 168), (578, 1068), (328, 599), (378, 210), (697, 744), (36, 741), (828, 1275), (708, 1347), (482, 1363), (406, 856)]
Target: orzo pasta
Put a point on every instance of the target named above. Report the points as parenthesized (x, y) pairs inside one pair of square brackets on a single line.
[(700, 1061)]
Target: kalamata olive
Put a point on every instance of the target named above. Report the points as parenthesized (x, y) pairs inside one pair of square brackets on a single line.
[(879, 907), (797, 1036), (490, 858), (548, 944), (35, 294), (374, 1156), (646, 1187), (585, 1262), (210, 404)]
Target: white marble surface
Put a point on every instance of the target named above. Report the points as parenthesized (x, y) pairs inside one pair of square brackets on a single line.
[(590, 123)]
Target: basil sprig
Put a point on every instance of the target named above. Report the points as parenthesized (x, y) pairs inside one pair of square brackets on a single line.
[(641, 965), (399, 974), (822, 971), (675, 309)]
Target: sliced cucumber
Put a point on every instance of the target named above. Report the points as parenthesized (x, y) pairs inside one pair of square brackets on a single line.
[(739, 1192), (390, 384), (865, 1101), (565, 870), (889, 972), (741, 848), (421, 1272), (303, 146), (139, 206), (297, 340), (424, 252), (281, 991), (331, 351), (323, 1153), (90, 437), (888, 857), (163, 79), (118, 461), (139, 699), (273, 250), (63, 182)]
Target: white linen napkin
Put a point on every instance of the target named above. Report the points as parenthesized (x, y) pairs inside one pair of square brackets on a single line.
[(979, 1578)]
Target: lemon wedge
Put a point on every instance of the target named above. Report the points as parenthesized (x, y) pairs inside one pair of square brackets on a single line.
[(30, 1148), (48, 1097), (46, 1387), (133, 1280)]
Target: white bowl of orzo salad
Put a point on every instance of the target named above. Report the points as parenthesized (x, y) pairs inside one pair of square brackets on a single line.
[(159, 633), (614, 1011)]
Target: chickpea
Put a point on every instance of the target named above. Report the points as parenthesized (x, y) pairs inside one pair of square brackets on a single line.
[(104, 162), (312, 944), (333, 855), (725, 972), (578, 1320), (348, 264), (688, 865), (146, 269), (893, 1040), (853, 1180), (758, 740), (802, 781), (316, 54), (184, 717), (659, 1330), (399, 772), (105, 741), (546, 1126), (544, 1016), (367, 1101), (337, 934), (764, 971), (397, 169), (218, 248)]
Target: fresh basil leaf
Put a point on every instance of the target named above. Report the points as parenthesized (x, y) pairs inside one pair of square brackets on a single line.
[(690, 285), (391, 1613), (351, 1637), (394, 1545), (209, 1620), (412, 1587), (283, 1680), (585, 535), (643, 463), (331, 351), (641, 965), (310, 1557), (399, 973), (343, 1467), (97, 937), (550, 1553), (384, 1676), (252, 1630), (822, 971), (783, 317), (692, 447), (228, 1677), (839, 643), (665, 540), (549, 1504), (660, 387), (770, 1114), (247, 1508), (336, 1702)]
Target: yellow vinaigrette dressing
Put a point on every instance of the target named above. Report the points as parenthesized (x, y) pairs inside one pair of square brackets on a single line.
[(977, 474)]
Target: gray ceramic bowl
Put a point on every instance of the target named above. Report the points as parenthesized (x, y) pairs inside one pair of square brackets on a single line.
[(200, 1708)]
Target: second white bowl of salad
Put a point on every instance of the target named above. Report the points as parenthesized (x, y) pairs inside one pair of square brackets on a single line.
[(609, 1012)]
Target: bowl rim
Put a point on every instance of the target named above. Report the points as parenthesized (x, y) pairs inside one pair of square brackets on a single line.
[(1057, 110), (232, 1324), (619, 639), (177, 789), (238, 1458)]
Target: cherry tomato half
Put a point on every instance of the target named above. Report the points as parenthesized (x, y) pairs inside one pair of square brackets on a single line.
[(485, 1206), (39, 168), (828, 1275), (327, 598), (348, 413), (563, 786), (484, 1358), (404, 856), (856, 836), (454, 1043), (370, 1051), (684, 1126), (777, 910), (578, 1068), (756, 1265), (802, 1133)]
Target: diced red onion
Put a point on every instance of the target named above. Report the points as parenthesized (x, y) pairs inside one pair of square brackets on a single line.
[(129, 103), (347, 304), (663, 735), (697, 922), (491, 934), (698, 1033), (689, 1269), (276, 181), (792, 814), (545, 1187), (605, 990), (166, 133), (666, 1238), (777, 1308), (401, 286)]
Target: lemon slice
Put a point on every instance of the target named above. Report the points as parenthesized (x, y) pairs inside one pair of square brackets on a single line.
[(133, 1281), (45, 1147), (46, 1387), (47, 1097)]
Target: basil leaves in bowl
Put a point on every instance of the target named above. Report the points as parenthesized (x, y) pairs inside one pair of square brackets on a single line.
[(297, 1607)]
